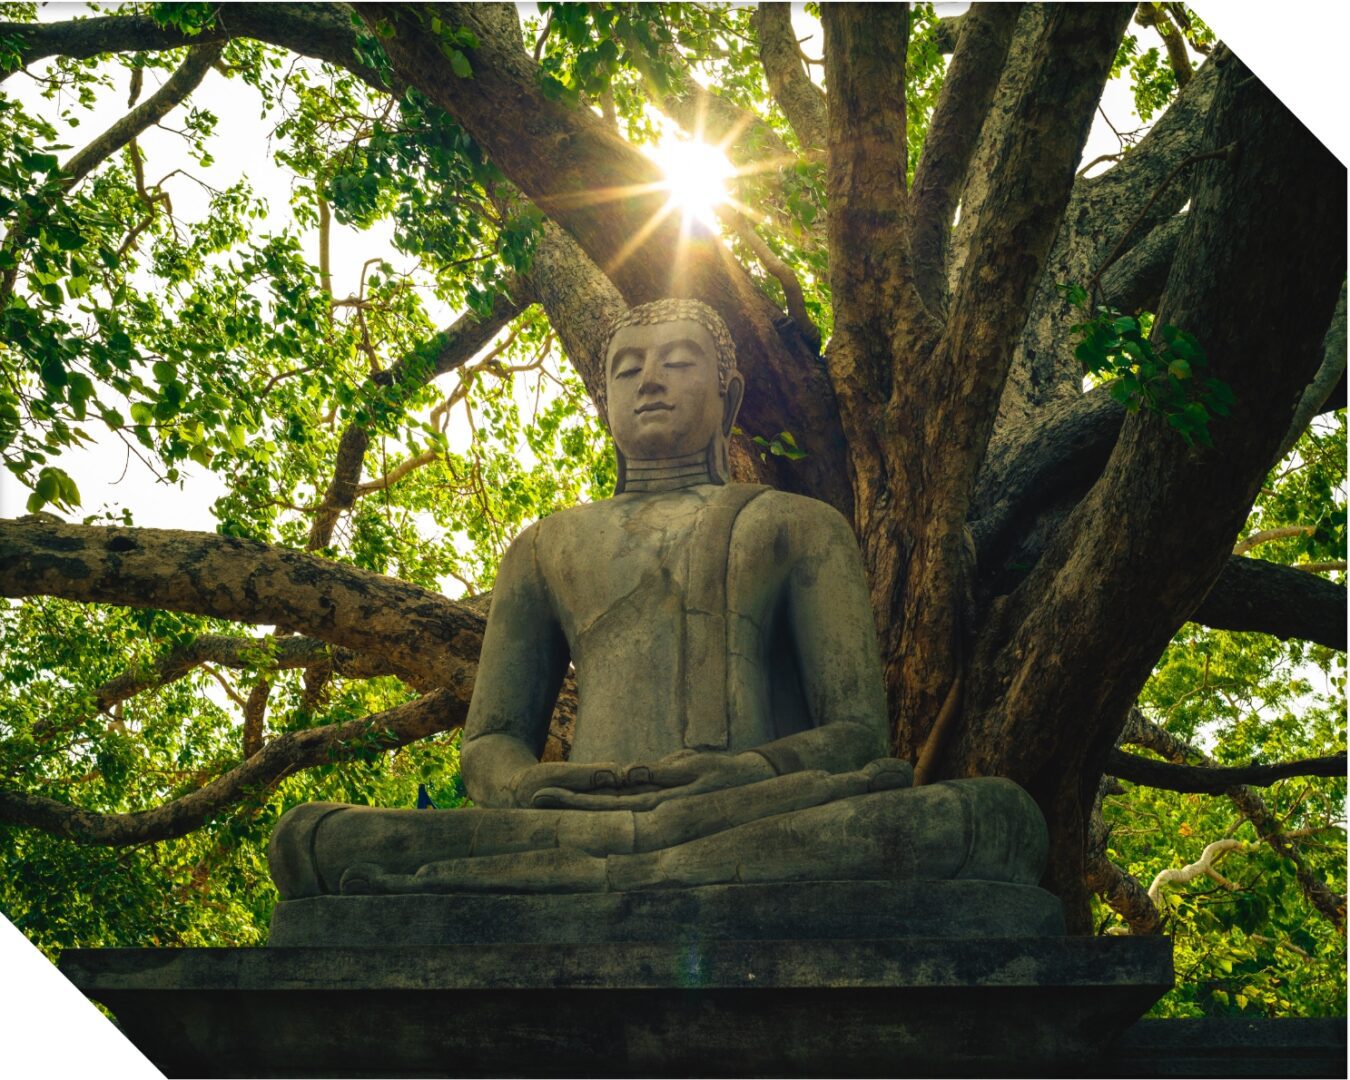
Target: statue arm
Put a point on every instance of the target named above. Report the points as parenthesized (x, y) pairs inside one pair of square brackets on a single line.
[(830, 619), (520, 669)]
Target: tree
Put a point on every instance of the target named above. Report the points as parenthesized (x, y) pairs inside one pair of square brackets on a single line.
[(1032, 549)]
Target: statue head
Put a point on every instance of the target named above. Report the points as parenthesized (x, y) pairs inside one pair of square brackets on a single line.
[(672, 387)]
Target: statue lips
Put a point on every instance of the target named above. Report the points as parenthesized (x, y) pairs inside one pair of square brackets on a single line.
[(653, 408)]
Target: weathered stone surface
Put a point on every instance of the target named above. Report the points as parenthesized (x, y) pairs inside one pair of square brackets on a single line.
[(849, 910), (1229, 1046), (919, 1006), (731, 724)]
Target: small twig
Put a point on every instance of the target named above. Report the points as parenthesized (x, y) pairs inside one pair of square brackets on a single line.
[(543, 37), (1264, 536), (1223, 153)]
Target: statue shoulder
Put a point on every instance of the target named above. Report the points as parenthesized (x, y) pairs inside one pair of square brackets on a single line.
[(801, 514), (556, 534)]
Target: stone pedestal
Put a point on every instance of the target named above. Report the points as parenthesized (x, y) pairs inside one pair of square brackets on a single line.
[(827, 978), (921, 1006)]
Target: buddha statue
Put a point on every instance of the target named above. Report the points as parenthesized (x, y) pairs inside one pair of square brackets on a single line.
[(731, 724)]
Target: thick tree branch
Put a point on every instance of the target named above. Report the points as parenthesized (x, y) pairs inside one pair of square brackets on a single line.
[(871, 281), (1123, 893), (1135, 282), (1330, 377), (1031, 467), (440, 710), (420, 635), (1279, 204), (580, 302), (1214, 780), (321, 31), (1255, 595), (954, 131), (802, 101), (1100, 208), (1029, 189)]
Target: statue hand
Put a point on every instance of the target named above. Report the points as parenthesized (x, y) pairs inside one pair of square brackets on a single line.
[(643, 787), (561, 776)]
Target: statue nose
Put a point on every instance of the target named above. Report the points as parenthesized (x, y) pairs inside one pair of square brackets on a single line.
[(651, 377)]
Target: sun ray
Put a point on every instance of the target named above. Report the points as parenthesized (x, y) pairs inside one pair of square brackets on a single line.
[(696, 174)]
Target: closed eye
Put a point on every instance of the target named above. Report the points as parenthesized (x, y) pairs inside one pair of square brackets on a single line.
[(627, 373)]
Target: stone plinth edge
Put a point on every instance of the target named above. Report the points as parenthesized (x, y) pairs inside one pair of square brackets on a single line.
[(862, 1007)]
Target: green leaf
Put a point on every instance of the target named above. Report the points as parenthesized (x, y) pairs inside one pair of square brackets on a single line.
[(53, 372), (459, 64), (47, 487)]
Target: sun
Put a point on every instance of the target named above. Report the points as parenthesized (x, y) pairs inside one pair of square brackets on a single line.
[(696, 176)]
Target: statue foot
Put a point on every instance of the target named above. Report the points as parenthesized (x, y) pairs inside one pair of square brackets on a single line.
[(361, 879)]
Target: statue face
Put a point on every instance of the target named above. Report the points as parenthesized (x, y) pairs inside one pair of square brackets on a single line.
[(664, 400)]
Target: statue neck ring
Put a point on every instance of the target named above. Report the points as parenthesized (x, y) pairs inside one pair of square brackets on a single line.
[(670, 473)]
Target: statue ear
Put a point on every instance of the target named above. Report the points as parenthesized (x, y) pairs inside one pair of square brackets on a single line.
[(731, 401)]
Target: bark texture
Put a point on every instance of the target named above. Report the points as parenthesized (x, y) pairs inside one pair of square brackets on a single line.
[(1068, 614)]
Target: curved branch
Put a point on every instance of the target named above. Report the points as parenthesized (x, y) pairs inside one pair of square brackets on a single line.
[(224, 651), (1215, 781), (398, 472), (452, 348), (1265, 536), (1202, 866), (1032, 466), (802, 101), (1135, 282), (792, 288), (1140, 731), (440, 710), (179, 85)]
